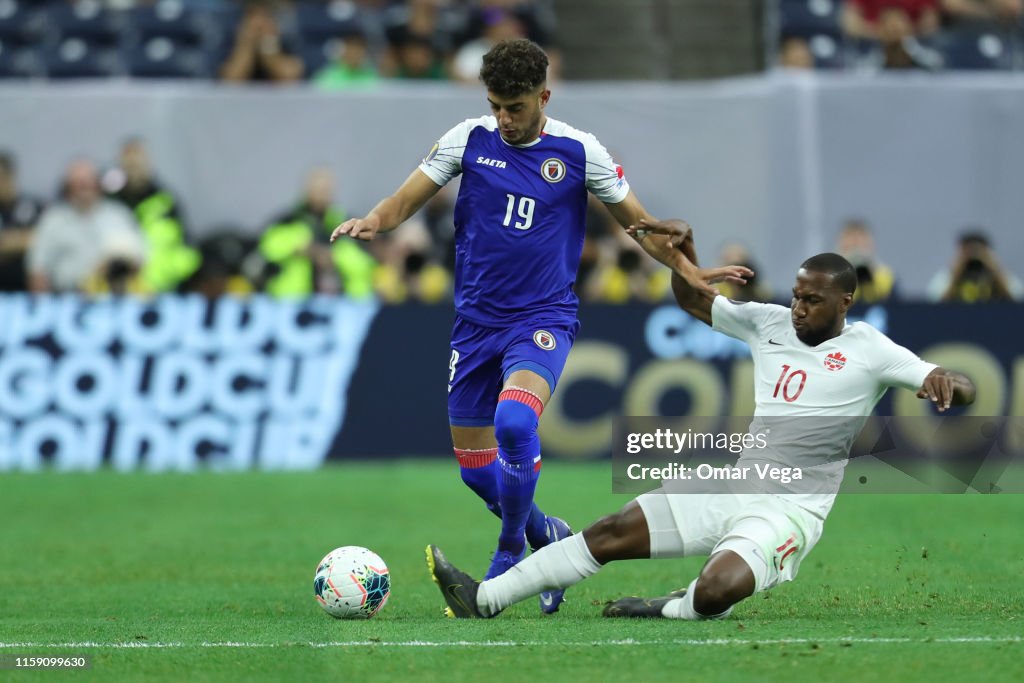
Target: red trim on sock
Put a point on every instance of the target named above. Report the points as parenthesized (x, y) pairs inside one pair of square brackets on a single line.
[(472, 459), (528, 399)]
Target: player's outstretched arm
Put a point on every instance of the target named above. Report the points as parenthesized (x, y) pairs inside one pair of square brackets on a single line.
[(661, 240), (678, 237), (697, 302), (694, 302), (629, 213), (946, 388), (391, 211)]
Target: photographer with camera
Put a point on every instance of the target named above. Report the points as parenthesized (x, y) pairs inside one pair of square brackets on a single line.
[(976, 274), (875, 281), (85, 242)]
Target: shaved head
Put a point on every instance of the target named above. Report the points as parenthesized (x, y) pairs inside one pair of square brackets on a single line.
[(842, 272)]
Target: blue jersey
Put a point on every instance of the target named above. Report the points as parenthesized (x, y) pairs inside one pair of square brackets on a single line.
[(520, 216)]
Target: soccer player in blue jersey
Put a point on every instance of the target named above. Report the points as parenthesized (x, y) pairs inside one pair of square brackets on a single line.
[(519, 221)]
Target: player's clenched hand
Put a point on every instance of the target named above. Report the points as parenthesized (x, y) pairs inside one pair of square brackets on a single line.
[(358, 228), (938, 388)]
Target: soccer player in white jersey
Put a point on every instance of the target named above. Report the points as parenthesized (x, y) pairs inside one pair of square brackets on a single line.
[(807, 362), (519, 228)]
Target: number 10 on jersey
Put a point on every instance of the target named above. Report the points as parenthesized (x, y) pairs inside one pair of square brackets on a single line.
[(519, 207), (786, 379)]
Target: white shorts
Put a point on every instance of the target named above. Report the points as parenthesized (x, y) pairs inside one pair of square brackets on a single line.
[(770, 533)]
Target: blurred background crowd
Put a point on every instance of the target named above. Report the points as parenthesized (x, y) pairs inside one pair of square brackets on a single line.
[(118, 229), (341, 44), (335, 44), (902, 34), (112, 226)]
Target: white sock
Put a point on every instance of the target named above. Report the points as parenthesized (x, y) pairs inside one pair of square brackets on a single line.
[(558, 565), (682, 608)]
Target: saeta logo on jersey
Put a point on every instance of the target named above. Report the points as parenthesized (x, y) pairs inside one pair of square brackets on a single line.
[(553, 170), (835, 361), (544, 339), (493, 163)]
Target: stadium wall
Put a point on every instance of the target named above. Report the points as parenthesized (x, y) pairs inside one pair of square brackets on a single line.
[(776, 161), (181, 383)]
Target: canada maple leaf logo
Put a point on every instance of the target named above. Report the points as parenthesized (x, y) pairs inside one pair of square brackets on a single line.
[(835, 361)]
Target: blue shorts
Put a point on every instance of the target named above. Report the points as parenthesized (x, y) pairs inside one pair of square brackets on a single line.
[(483, 357)]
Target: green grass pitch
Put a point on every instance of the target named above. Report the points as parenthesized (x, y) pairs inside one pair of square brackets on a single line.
[(208, 577)]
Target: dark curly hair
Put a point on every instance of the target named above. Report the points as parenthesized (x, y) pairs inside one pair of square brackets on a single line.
[(514, 67)]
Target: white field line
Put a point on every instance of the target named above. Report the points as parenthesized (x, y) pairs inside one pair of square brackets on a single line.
[(628, 642)]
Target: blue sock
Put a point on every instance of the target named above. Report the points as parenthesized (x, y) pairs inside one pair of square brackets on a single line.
[(480, 473), (482, 479), (516, 486), (537, 528), (515, 427)]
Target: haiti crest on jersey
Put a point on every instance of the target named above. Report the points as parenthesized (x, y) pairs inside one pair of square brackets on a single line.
[(835, 361), (544, 339), (553, 170)]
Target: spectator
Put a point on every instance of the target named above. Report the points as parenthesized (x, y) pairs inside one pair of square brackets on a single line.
[(975, 275), (350, 67), (900, 47), (536, 19), (1002, 11), (224, 252), (499, 25), (19, 214), (171, 260), (418, 59), (734, 253), (425, 279), (260, 53), (85, 241), (412, 260), (795, 53), (297, 256), (421, 39), (863, 18), (875, 280), (895, 45), (625, 275)]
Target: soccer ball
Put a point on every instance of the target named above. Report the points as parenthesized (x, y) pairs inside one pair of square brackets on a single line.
[(352, 583)]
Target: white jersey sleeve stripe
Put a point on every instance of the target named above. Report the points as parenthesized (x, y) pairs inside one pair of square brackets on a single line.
[(442, 167)]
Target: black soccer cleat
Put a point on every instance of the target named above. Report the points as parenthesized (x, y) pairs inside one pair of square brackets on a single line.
[(640, 608), (458, 588)]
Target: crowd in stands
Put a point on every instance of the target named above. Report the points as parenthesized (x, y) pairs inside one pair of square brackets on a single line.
[(336, 44), (340, 44), (929, 35), (120, 230)]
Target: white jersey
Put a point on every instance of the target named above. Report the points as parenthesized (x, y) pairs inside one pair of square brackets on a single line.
[(832, 387)]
